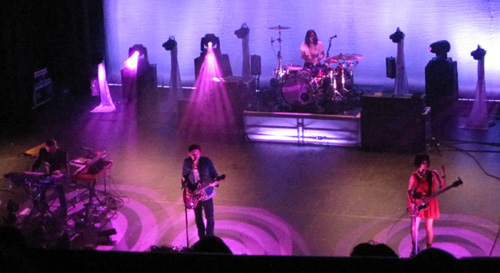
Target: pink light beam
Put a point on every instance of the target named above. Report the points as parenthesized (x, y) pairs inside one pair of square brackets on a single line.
[(106, 104), (209, 110)]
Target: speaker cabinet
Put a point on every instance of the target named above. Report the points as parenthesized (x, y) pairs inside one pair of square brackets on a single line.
[(441, 91), (134, 84), (241, 91), (224, 64), (393, 123), (390, 67), (255, 65), (441, 82), (147, 79)]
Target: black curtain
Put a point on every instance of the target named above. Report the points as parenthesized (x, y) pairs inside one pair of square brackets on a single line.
[(63, 36)]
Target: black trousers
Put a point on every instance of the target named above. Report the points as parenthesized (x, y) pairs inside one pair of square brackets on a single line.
[(208, 207)]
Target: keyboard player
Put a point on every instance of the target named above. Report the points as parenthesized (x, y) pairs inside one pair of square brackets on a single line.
[(54, 161), (51, 159)]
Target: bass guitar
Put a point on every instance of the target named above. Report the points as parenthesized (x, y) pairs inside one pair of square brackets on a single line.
[(421, 201), (192, 197)]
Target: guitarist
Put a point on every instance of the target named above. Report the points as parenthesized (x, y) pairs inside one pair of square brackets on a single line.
[(423, 183), (199, 172)]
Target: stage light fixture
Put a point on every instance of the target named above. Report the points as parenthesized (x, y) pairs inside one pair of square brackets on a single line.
[(210, 38), (397, 36), (242, 32), (479, 53), (440, 48), (143, 52), (170, 44)]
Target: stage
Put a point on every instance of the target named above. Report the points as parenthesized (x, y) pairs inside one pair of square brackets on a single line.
[(292, 198)]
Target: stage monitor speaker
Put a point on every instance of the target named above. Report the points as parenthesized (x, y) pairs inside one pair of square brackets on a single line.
[(441, 82), (255, 65), (393, 123), (133, 85), (224, 64), (390, 67), (242, 94), (441, 90), (147, 79)]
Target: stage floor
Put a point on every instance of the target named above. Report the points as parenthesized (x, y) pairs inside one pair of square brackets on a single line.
[(278, 198)]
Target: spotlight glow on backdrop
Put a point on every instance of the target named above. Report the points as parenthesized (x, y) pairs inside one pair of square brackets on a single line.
[(131, 63)]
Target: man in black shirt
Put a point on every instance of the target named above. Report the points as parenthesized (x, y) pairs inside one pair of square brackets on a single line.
[(53, 161)]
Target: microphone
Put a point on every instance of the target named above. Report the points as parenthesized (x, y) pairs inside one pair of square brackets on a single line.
[(334, 36)]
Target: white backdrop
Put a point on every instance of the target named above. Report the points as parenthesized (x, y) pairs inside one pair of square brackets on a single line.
[(362, 27)]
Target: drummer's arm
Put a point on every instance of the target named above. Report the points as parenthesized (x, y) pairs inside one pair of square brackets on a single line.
[(321, 55), (304, 56)]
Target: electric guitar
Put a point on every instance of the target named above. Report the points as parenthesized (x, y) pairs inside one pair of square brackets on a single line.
[(192, 197), (421, 201)]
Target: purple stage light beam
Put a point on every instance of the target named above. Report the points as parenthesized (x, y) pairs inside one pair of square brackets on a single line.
[(209, 111), (129, 77)]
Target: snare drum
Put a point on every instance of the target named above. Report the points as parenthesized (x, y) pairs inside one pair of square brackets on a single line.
[(291, 69)]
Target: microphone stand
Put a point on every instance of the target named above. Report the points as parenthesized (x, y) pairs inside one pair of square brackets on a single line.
[(187, 232), (415, 226), (184, 187), (329, 46)]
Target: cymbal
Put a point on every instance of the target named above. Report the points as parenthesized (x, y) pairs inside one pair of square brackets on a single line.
[(279, 27), (330, 60), (347, 56)]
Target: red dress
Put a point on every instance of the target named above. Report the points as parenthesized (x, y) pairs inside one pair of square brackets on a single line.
[(422, 187)]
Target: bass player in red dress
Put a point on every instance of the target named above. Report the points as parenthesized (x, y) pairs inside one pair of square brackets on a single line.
[(423, 183)]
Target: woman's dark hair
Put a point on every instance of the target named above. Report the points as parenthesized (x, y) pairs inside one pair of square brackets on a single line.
[(420, 158), (308, 34)]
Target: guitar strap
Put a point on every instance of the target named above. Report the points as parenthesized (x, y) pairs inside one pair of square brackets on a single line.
[(429, 181)]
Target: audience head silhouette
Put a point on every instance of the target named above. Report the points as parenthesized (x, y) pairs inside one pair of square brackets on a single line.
[(436, 260), (372, 249), (211, 244)]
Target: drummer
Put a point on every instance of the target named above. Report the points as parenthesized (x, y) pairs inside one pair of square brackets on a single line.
[(312, 50)]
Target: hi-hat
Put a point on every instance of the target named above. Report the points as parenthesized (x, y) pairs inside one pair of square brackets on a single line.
[(343, 57), (279, 27)]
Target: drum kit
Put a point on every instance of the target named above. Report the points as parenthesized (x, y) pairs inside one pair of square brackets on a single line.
[(309, 89)]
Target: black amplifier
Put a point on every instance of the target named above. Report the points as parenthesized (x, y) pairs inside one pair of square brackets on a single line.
[(390, 103), (393, 123)]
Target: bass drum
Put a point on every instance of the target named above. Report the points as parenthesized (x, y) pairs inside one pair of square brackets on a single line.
[(297, 91)]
